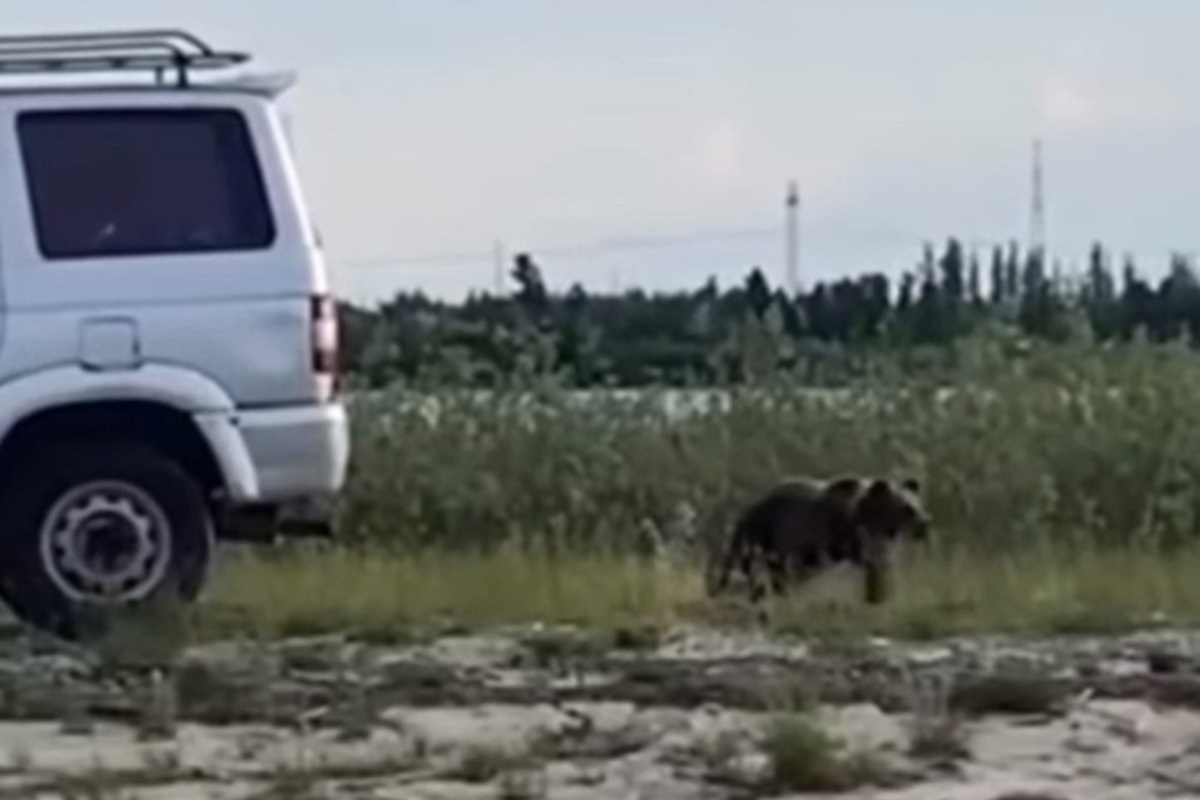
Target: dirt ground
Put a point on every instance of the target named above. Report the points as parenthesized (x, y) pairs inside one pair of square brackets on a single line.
[(578, 715)]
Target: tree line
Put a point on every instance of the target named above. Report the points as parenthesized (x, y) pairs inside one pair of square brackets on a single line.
[(714, 335)]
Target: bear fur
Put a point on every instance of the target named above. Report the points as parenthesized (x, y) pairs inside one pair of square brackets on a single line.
[(803, 526)]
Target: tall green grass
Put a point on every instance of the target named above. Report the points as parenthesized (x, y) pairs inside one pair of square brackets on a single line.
[(1064, 484), (1066, 445)]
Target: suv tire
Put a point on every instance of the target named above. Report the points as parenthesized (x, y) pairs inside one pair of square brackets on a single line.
[(87, 529)]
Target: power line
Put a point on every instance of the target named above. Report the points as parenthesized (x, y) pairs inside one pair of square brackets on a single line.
[(427, 259), (600, 246), (482, 257), (498, 256)]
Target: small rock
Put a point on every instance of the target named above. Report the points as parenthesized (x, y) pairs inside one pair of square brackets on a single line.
[(1161, 662)]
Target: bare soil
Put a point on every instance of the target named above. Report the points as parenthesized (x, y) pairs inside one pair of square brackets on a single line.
[(564, 713)]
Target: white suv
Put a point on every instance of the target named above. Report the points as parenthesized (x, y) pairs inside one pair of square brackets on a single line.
[(168, 339)]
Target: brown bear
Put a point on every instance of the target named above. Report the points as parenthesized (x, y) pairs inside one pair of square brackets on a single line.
[(803, 526)]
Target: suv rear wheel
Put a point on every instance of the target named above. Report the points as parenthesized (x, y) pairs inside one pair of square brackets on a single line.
[(90, 528)]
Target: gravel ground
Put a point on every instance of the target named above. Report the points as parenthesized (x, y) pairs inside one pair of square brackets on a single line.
[(561, 713)]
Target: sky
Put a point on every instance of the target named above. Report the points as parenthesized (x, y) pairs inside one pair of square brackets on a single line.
[(649, 142)]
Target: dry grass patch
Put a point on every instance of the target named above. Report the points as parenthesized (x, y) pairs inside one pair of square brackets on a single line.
[(804, 757), (371, 590), (386, 596)]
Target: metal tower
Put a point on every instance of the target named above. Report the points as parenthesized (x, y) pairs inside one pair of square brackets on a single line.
[(1037, 208), (793, 237)]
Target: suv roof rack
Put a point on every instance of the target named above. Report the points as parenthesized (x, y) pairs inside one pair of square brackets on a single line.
[(113, 51)]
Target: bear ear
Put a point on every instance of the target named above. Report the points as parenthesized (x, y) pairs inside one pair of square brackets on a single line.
[(879, 488), (912, 485), (844, 490)]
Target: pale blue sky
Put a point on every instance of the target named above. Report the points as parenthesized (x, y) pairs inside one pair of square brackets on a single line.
[(439, 127)]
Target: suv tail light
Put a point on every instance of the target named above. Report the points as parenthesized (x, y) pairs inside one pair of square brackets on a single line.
[(325, 339)]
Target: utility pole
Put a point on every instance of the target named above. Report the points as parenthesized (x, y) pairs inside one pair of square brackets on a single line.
[(499, 265), (792, 252), (1037, 206)]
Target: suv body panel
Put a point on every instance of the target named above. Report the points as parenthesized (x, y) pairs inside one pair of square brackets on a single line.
[(297, 452), (223, 335)]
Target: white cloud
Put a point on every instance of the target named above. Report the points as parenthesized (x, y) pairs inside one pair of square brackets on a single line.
[(718, 157), (1082, 102), (1067, 105)]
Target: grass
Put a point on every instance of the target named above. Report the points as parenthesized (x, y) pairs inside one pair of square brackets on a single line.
[(1071, 445), (389, 597), (803, 757), (1064, 484)]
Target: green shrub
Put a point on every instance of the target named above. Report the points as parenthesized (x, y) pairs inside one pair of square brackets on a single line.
[(1069, 445)]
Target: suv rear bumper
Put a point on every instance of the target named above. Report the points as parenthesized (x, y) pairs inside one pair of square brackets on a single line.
[(297, 453), (292, 458)]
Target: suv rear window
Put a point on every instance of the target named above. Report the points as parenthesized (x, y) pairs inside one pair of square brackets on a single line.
[(110, 182)]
